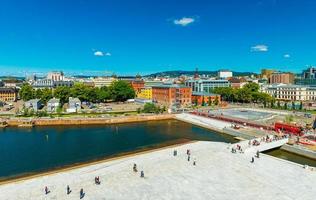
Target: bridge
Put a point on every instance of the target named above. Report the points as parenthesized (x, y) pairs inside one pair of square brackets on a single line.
[(247, 146)]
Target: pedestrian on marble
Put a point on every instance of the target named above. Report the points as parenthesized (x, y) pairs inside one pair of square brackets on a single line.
[(68, 189), (188, 157), (252, 160), (142, 175), (46, 190), (175, 153), (81, 193), (135, 167), (194, 162), (258, 154)]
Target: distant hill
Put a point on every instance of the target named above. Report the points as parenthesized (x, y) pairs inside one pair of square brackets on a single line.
[(11, 78), (178, 73)]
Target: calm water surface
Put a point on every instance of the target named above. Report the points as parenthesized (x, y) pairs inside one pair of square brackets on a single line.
[(30, 150)]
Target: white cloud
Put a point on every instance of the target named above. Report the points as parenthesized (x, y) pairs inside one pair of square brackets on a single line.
[(184, 21), (100, 53), (286, 55), (259, 48)]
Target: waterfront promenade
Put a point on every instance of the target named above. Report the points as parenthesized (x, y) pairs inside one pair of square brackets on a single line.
[(218, 174)]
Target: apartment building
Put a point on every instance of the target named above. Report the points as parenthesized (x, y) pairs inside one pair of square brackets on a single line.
[(172, 95)]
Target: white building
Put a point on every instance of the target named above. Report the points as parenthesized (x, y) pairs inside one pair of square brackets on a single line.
[(206, 85), (224, 74), (291, 92), (74, 105), (103, 81), (55, 76), (52, 105)]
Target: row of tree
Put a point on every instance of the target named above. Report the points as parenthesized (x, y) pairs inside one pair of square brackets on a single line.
[(117, 91), (248, 93), (152, 108)]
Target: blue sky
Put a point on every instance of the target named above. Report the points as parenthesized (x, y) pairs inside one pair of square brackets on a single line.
[(144, 36)]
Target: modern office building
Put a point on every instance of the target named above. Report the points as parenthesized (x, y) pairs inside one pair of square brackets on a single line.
[(308, 77), (172, 95), (206, 85)]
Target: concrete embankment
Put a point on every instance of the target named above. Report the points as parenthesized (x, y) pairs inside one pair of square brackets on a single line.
[(86, 121), (212, 124), (299, 151)]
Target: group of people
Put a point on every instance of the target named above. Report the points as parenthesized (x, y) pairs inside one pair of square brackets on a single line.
[(81, 193), (238, 148), (142, 174)]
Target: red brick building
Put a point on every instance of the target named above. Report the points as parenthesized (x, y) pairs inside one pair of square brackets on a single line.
[(172, 95), (137, 85), (204, 97)]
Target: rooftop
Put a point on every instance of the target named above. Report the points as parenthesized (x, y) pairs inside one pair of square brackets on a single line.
[(170, 86), (218, 174), (203, 94)]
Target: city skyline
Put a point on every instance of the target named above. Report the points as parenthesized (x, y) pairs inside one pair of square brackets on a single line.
[(94, 37)]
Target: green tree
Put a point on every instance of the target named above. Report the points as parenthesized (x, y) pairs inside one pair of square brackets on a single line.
[(47, 94), (252, 87), (278, 105), (38, 93), (209, 101), (103, 94), (80, 91), (301, 105), (121, 91), (27, 92), (62, 93), (285, 106), (203, 102), (293, 105), (216, 101), (150, 108)]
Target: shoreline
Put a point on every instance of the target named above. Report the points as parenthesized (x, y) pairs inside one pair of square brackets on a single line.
[(16, 179), (30, 122)]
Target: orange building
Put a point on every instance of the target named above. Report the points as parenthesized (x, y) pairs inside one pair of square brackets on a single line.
[(8, 94), (172, 95), (137, 85), (205, 98)]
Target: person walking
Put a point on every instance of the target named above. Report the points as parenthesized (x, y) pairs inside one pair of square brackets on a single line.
[(142, 175), (135, 167), (68, 189), (189, 158), (194, 162), (175, 153), (257, 154), (252, 160), (46, 190), (81, 193)]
